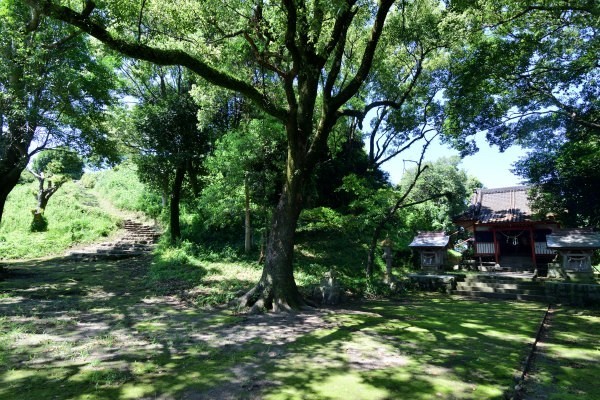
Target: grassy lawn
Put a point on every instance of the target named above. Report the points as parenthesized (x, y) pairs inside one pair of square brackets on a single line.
[(100, 331), (567, 365)]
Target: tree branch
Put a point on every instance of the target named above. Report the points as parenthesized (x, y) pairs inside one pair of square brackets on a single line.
[(290, 33), (140, 20), (158, 56), (367, 58)]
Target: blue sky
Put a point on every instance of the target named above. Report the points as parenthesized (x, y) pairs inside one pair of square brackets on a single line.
[(490, 166)]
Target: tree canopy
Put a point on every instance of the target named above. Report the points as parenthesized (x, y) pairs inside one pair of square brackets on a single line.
[(528, 74), (54, 87)]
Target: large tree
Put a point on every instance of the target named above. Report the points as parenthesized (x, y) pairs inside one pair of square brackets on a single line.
[(53, 89), (306, 63), (531, 77), (564, 175)]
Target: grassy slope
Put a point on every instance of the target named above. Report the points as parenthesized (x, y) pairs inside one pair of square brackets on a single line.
[(77, 214), (123, 189), (73, 217)]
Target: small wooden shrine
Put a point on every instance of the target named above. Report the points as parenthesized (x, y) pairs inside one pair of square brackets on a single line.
[(505, 231), (575, 248), (431, 247)]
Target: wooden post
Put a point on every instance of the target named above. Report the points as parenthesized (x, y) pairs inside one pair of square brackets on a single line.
[(532, 238), (496, 246), (387, 254)]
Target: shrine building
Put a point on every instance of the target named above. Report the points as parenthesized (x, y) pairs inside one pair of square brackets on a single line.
[(505, 231)]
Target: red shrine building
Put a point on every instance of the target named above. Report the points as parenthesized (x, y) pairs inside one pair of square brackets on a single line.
[(505, 231)]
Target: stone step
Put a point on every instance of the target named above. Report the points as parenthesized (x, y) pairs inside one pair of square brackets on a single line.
[(137, 239), (141, 243), (504, 296), (536, 291), (504, 285), (496, 279)]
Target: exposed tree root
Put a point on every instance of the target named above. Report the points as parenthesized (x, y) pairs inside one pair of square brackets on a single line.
[(263, 298)]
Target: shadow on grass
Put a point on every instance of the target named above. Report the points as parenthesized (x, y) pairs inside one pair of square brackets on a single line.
[(421, 350), (69, 329), (97, 330), (568, 361)]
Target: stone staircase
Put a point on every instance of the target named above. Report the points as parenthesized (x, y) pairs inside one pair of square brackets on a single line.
[(500, 286), (138, 239)]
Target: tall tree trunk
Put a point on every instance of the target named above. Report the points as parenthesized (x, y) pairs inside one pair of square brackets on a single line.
[(175, 200), (247, 225), (277, 288), (5, 188), (373, 249)]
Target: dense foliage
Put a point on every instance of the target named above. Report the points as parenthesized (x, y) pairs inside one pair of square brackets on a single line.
[(256, 111), (564, 176), (530, 76), (54, 87)]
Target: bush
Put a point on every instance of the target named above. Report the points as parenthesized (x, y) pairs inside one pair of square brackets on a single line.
[(88, 180)]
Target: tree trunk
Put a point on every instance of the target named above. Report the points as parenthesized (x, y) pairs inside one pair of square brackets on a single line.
[(175, 200), (42, 199), (6, 186), (372, 250), (277, 288), (247, 225)]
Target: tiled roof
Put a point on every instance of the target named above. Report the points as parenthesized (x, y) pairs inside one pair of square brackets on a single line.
[(573, 239), (430, 239), (508, 204)]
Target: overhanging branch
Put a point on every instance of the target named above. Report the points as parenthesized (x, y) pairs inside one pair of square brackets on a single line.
[(157, 55)]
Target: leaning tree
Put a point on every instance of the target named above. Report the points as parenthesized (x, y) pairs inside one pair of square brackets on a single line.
[(52, 169)]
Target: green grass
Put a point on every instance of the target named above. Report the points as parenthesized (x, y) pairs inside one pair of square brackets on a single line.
[(427, 347), (122, 187), (73, 217), (180, 269), (103, 331), (568, 364)]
